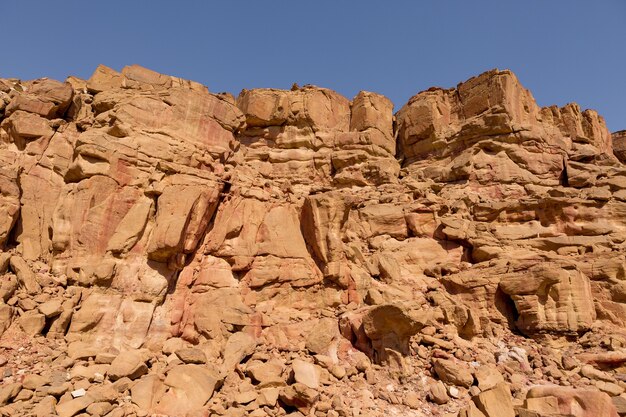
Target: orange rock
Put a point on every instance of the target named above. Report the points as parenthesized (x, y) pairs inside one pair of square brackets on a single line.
[(45, 97), (140, 211), (569, 401)]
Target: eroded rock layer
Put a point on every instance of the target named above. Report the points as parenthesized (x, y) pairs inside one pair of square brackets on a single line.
[(169, 251)]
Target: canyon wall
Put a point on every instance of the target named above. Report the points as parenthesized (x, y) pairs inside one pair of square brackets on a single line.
[(177, 252)]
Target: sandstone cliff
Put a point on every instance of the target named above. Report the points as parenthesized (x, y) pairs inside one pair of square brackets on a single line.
[(170, 251)]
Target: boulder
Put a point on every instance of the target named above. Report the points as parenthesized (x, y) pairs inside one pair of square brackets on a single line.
[(267, 373), (487, 377), (51, 308), (238, 346), (299, 396), (32, 322), (147, 392), (189, 387), (568, 305), (6, 317), (495, 402), (129, 364), (104, 78), (45, 97), (9, 391), (323, 336), (438, 393), (25, 276), (453, 372), (191, 355), (306, 373), (72, 407), (569, 401), (389, 327)]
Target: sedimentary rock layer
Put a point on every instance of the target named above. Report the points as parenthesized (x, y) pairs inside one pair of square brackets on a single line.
[(167, 250)]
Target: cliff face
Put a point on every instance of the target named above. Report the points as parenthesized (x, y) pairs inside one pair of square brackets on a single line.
[(179, 252)]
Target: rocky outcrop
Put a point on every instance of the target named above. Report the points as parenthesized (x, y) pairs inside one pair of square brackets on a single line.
[(619, 144), (167, 250)]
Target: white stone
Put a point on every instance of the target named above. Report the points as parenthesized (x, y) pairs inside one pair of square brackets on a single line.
[(79, 393)]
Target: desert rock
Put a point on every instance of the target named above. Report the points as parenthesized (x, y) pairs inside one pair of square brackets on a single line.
[(168, 250)]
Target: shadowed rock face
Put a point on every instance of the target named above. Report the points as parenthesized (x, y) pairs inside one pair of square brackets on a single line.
[(258, 253), (619, 144)]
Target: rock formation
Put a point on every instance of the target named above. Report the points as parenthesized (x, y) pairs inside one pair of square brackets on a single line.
[(170, 251)]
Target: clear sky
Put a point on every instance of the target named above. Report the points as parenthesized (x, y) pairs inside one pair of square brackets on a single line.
[(562, 50)]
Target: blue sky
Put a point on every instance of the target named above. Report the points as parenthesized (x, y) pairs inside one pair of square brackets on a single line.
[(562, 50)]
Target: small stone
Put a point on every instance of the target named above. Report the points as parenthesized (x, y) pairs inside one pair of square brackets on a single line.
[(437, 393), (8, 392), (259, 412), (127, 364), (435, 341), (59, 389), (238, 346), (45, 406), (72, 407), (595, 374), (147, 391), (191, 355), (245, 397), (34, 381), (24, 395), (322, 335), (172, 344), (101, 408), (80, 350), (370, 376), (27, 304), (610, 388), (454, 392), (569, 362), (32, 322), (455, 373), (105, 358), (268, 397), (51, 308), (266, 373), (195, 383), (306, 373), (122, 384), (496, 402), (412, 400), (338, 371), (300, 396), (79, 393), (488, 377), (82, 383)]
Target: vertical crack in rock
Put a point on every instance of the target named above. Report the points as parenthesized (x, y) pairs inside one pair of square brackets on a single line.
[(564, 177)]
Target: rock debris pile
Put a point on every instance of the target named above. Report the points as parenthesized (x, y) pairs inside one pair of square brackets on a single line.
[(167, 251)]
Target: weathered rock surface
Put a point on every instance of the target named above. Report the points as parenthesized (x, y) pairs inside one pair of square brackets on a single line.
[(166, 250)]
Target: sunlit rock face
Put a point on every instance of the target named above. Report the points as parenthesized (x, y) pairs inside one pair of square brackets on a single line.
[(300, 252)]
